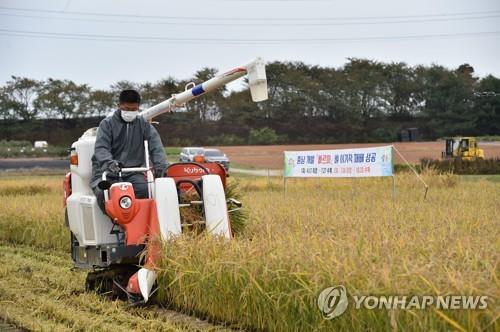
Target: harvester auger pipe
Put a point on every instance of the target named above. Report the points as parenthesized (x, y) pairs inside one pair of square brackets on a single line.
[(257, 81)]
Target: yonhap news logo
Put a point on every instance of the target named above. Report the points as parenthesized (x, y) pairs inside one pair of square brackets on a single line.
[(333, 302)]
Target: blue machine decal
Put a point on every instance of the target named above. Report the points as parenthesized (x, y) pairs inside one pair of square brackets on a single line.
[(197, 90)]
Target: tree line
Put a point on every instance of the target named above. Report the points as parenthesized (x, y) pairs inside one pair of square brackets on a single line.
[(362, 101)]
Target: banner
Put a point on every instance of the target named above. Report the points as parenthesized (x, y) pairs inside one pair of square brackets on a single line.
[(363, 162)]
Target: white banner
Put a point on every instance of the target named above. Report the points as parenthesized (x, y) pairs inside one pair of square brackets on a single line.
[(363, 162)]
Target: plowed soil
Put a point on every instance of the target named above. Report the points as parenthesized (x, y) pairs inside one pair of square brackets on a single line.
[(271, 156)]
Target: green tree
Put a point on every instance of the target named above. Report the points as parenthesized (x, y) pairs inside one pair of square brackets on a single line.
[(448, 101), (293, 91), (119, 86), (100, 103), (160, 91), (206, 108), (238, 108), (64, 99), (487, 106), (18, 96), (400, 91), (332, 96), (365, 80), (6, 110)]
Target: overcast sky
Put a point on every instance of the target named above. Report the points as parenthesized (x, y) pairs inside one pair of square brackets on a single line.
[(100, 42)]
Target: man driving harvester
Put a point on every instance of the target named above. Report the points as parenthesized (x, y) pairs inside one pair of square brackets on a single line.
[(113, 255), (120, 144)]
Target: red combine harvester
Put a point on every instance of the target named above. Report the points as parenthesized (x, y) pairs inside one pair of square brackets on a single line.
[(111, 244)]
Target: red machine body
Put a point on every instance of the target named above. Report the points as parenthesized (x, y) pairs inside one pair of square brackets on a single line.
[(181, 172), (139, 217), (66, 187)]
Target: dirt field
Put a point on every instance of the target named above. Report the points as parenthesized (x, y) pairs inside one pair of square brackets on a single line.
[(271, 156)]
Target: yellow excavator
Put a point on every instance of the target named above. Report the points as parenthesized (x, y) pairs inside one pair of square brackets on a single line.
[(464, 148)]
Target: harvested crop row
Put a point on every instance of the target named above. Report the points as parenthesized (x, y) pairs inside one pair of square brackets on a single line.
[(39, 291)]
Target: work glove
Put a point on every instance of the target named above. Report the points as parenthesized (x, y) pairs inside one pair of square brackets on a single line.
[(159, 172), (114, 166)]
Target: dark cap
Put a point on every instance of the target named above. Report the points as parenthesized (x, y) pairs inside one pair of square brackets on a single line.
[(130, 96)]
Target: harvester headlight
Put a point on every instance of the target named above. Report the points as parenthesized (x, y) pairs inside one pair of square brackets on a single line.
[(125, 202)]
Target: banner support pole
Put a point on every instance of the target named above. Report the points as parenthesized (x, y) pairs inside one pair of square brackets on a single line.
[(269, 187), (414, 171), (284, 186), (393, 187), (284, 174)]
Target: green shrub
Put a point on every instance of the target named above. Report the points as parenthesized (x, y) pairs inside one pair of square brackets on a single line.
[(174, 141), (458, 166), (384, 135), (489, 138), (28, 151), (225, 139), (263, 136), (14, 144), (398, 168)]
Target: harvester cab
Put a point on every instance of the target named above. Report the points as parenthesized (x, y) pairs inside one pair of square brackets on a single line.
[(464, 148), (112, 244)]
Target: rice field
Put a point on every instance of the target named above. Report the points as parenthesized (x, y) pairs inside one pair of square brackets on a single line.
[(322, 233)]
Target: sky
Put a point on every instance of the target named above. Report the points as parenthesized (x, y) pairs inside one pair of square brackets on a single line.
[(100, 42)]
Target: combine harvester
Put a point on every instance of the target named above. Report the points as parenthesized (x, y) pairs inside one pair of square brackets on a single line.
[(111, 245)]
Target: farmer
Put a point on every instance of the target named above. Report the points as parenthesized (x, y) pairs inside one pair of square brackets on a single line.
[(120, 143)]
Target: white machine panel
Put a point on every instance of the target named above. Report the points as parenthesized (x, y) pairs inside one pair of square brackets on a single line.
[(86, 220), (167, 206), (81, 173), (214, 202)]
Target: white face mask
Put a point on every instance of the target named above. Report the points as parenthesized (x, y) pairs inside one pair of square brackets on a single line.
[(129, 116)]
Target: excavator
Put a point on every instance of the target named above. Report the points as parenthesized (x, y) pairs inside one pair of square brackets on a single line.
[(464, 148)]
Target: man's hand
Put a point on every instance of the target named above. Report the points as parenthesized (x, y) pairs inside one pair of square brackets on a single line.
[(159, 172), (114, 166)]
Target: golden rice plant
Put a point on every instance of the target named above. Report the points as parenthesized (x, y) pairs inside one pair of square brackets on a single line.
[(319, 233), (352, 232), (32, 212)]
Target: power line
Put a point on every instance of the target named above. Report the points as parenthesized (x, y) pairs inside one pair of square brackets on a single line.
[(445, 19), (149, 39), (277, 1), (61, 12)]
